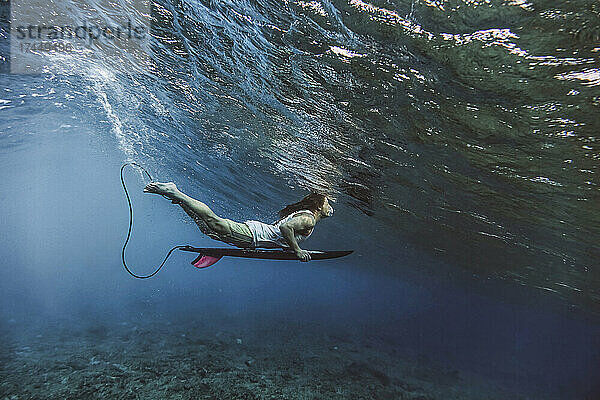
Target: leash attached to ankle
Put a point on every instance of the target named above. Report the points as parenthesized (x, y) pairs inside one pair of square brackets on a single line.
[(132, 163)]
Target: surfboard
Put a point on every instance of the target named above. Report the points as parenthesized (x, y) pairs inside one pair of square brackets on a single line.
[(210, 255)]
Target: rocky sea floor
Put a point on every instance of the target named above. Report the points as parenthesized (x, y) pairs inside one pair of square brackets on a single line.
[(222, 360)]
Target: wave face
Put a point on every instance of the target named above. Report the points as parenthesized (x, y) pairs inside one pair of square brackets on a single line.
[(468, 128)]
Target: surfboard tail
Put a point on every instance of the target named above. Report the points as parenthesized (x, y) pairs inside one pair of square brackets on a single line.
[(203, 261)]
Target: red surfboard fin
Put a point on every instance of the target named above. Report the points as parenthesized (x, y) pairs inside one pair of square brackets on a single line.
[(203, 261)]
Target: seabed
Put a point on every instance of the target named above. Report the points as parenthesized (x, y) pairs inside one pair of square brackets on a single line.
[(222, 360)]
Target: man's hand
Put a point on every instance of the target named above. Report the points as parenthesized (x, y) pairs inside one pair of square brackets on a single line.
[(299, 223), (303, 255)]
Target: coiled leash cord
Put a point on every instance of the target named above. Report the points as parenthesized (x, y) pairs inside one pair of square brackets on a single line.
[(131, 224)]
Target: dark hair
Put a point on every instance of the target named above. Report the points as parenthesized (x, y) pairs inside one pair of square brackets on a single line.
[(312, 202)]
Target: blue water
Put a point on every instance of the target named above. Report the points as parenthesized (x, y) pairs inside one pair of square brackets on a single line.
[(460, 147)]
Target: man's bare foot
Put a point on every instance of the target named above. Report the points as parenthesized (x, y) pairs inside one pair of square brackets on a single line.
[(167, 189)]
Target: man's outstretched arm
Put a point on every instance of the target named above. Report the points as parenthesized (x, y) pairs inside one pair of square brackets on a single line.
[(300, 223)]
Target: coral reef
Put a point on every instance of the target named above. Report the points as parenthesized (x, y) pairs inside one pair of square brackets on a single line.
[(187, 360)]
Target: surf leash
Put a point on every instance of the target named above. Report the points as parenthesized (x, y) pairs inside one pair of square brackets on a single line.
[(132, 163)]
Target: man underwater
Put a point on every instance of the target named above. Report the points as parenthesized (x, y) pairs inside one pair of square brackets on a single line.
[(296, 224)]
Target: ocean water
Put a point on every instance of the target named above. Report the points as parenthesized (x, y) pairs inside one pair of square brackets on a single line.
[(459, 140)]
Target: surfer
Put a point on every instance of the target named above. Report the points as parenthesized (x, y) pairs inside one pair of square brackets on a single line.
[(296, 223)]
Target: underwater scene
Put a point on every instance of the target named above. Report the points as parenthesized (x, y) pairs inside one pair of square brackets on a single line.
[(451, 148)]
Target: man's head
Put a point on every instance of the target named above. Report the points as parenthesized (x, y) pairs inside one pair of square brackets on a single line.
[(315, 202), (326, 209)]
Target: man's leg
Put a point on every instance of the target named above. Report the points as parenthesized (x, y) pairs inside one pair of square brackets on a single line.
[(202, 225), (197, 210)]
